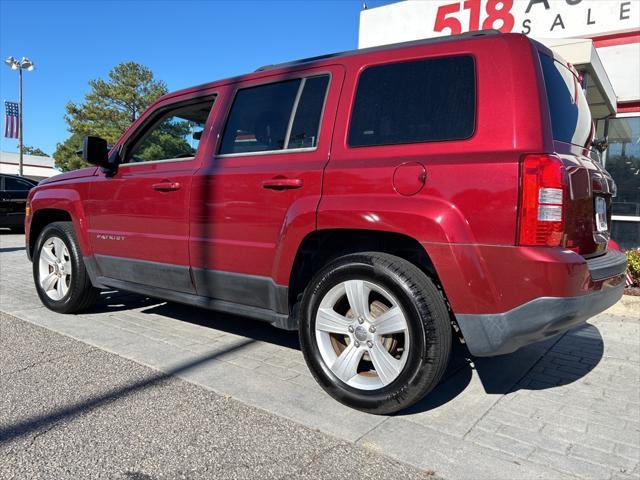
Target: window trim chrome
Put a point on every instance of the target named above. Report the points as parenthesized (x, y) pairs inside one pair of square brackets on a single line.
[(267, 152), (151, 162)]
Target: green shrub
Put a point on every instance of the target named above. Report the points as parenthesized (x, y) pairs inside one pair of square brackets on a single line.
[(633, 257)]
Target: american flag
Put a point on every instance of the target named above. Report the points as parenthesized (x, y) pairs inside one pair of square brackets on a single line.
[(11, 120)]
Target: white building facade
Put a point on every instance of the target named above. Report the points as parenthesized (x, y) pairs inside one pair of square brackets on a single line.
[(33, 166), (601, 38)]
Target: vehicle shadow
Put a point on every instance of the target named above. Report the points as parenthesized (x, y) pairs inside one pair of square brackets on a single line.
[(11, 249), (241, 326), (555, 362), (558, 361), (115, 301)]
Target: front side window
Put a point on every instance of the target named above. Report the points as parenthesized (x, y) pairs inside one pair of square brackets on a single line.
[(418, 101), (277, 116), (173, 136)]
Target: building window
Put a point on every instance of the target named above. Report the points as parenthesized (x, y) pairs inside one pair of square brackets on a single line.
[(622, 161)]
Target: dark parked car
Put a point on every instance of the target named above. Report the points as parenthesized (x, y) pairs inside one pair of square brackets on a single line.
[(13, 199)]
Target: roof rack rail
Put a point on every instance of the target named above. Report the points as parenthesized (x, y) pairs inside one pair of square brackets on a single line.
[(392, 46)]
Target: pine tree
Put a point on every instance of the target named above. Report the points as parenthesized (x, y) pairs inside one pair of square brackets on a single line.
[(108, 109)]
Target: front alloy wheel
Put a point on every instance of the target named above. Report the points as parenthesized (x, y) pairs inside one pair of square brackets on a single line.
[(55, 268), (60, 276)]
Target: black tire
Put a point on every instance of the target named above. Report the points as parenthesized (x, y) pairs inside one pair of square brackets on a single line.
[(82, 294), (428, 323)]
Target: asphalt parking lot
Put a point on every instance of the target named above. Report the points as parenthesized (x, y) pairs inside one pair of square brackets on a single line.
[(147, 389)]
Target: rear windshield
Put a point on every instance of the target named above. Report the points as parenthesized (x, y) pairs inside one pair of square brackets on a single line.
[(570, 115)]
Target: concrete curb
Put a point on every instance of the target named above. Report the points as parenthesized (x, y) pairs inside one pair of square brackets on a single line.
[(629, 306)]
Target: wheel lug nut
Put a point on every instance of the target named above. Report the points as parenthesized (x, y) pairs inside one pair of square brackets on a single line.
[(372, 329), (357, 344), (360, 320), (370, 344), (350, 329)]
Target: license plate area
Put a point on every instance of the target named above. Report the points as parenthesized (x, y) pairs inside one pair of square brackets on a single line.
[(601, 214)]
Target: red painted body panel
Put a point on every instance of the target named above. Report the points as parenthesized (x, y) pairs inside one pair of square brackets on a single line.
[(68, 197), (129, 218), (465, 216), (465, 179), (483, 278)]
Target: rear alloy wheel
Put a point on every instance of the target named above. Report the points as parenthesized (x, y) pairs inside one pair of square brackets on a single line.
[(365, 344), (375, 332)]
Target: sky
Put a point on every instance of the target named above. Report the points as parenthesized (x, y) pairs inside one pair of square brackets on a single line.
[(184, 43)]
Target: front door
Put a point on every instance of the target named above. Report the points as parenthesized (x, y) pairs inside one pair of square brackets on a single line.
[(258, 193), (139, 217)]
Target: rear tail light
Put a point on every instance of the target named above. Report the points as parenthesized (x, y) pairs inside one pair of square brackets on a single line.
[(542, 201)]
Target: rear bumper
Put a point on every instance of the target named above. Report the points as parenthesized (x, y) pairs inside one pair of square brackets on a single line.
[(543, 317)]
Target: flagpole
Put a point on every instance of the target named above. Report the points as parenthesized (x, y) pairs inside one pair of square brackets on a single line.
[(19, 65), (20, 123)]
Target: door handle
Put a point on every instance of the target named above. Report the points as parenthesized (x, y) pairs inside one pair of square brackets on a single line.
[(166, 186), (282, 183)]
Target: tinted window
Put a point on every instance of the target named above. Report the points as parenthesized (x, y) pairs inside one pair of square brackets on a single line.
[(259, 118), (175, 135), (304, 132), (570, 116), (15, 184), (418, 101)]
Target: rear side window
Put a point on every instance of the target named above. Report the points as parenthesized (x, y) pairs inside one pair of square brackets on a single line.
[(570, 115), (277, 116), (419, 101)]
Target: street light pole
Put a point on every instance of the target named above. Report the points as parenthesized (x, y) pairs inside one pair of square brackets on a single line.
[(24, 64), (20, 161)]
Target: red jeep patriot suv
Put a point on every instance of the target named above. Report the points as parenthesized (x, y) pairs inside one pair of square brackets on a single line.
[(379, 201)]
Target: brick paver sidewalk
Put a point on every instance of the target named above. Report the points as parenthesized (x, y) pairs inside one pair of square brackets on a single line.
[(565, 408)]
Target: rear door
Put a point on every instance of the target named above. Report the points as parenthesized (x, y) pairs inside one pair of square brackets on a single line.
[(259, 193), (139, 217)]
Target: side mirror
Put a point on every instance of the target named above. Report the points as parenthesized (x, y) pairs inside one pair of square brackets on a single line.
[(95, 151)]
